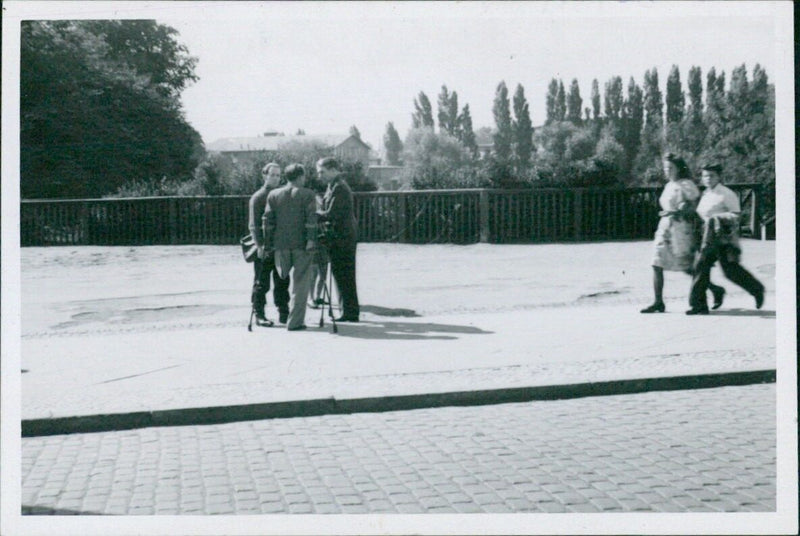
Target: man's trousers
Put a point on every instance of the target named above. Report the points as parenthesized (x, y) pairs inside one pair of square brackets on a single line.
[(727, 257), (343, 266), (297, 263), (263, 268)]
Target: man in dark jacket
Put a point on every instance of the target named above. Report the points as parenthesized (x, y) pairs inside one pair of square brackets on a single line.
[(290, 224), (338, 212), (264, 264)]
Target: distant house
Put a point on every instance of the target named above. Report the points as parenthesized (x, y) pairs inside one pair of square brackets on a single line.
[(242, 150)]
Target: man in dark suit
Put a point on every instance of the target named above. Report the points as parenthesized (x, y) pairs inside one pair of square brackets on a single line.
[(290, 228), (338, 212), (264, 264)]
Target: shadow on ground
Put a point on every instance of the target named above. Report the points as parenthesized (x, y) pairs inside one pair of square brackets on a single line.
[(745, 312), (388, 311), (406, 330)]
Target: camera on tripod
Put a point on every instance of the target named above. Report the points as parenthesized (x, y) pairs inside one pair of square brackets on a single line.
[(326, 232)]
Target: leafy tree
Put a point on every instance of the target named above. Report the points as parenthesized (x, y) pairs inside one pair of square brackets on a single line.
[(522, 130), (610, 161), (437, 160), (151, 49), (580, 145), (595, 99), (423, 114), (466, 134), (393, 145), (502, 117), (574, 103), (97, 110)]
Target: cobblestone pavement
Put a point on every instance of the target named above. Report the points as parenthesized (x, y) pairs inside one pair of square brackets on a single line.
[(709, 450)]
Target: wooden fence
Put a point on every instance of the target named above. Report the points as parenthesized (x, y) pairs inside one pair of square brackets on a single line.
[(420, 217)]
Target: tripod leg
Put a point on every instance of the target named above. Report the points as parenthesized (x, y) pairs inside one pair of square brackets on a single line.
[(330, 297)]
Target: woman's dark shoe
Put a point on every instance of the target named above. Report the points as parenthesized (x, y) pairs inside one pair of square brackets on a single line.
[(657, 307), (719, 295), (697, 311), (301, 327)]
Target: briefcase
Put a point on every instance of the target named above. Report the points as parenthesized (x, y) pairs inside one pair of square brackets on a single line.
[(249, 248)]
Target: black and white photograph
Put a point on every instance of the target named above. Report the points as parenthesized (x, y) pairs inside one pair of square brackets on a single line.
[(387, 267)]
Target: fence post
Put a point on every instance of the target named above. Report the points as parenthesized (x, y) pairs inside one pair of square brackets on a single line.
[(483, 202), (578, 214), (173, 221), (754, 206), (401, 218)]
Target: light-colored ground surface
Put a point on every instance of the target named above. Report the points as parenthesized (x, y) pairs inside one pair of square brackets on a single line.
[(111, 330), (710, 450)]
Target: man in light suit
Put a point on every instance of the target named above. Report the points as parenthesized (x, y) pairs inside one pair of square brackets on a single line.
[(290, 224)]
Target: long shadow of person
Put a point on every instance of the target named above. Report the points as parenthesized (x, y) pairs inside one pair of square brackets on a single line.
[(407, 330)]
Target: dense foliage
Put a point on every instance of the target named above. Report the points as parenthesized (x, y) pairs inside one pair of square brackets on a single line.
[(621, 144), (100, 108)]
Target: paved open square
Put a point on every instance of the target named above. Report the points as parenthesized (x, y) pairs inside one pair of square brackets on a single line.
[(131, 356)]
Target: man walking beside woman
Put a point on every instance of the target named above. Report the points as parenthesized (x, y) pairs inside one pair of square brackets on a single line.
[(677, 242)]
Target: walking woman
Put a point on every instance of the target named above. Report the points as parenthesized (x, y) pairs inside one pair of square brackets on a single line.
[(675, 241)]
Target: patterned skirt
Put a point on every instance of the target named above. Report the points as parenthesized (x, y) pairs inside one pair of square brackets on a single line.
[(674, 245)]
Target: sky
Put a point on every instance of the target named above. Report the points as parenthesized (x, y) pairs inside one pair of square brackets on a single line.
[(322, 67)]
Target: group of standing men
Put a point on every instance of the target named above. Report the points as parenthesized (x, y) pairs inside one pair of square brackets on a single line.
[(284, 221)]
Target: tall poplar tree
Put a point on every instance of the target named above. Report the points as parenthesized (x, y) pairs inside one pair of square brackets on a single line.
[(648, 162), (465, 131), (561, 102), (595, 99), (632, 122), (693, 127), (714, 117), (574, 103), (613, 100), (550, 107), (393, 145), (675, 103), (423, 114), (523, 130), (448, 111), (502, 117)]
